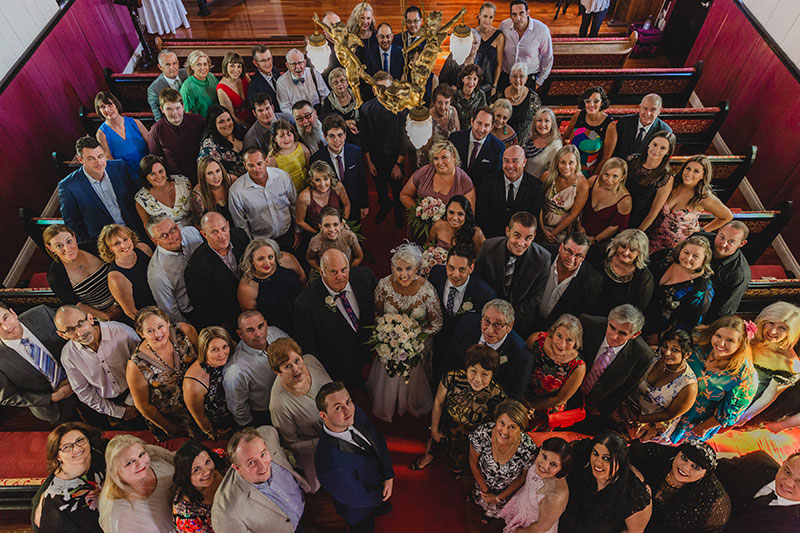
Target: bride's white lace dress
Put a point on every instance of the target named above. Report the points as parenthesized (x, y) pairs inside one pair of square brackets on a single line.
[(392, 394)]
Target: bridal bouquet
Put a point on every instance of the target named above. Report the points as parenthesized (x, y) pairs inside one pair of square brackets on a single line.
[(422, 216), (434, 255), (398, 340)]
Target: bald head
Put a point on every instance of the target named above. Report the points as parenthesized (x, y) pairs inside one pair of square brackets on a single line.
[(514, 162), (335, 270), (649, 108), (73, 324), (330, 18), (66, 313), (217, 231)]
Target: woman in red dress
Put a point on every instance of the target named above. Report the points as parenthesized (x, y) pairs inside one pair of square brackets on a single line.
[(232, 89)]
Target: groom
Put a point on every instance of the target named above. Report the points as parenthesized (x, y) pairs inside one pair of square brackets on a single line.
[(332, 315)]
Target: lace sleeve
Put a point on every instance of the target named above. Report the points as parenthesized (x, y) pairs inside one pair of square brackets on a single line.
[(196, 207), (432, 309), (718, 515)]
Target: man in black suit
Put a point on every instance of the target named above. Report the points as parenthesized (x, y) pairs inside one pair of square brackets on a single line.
[(460, 292), (212, 273), (765, 496), (382, 141), (616, 358), (266, 76), (506, 192), (517, 269), (481, 153), (572, 285), (335, 312), (31, 374), (345, 159), (386, 56), (413, 20), (731, 269), (495, 329), (634, 132)]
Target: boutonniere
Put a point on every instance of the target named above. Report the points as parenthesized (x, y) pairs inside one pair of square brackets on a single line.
[(330, 303), (466, 307), (503, 357)]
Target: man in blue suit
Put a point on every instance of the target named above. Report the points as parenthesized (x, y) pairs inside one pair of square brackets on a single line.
[(352, 460), (345, 159), (460, 293), (266, 77), (99, 193), (386, 56), (481, 153)]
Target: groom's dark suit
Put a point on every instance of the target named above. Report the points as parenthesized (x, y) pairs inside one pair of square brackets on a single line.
[(326, 333), (352, 476)]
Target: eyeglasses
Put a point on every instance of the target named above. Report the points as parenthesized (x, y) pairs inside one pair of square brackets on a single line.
[(72, 329), (592, 101), (293, 63), (266, 60), (307, 116), (80, 443), (172, 231), (494, 325), (576, 255)]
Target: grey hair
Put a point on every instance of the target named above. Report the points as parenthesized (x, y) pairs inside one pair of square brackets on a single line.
[(164, 53), (338, 72), (636, 241), (294, 51), (498, 304), (627, 314), (519, 65), (408, 252), (572, 325), (154, 221), (247, 257)]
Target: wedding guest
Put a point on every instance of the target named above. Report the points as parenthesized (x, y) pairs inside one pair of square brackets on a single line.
[(260, 133), (592, 130), (542, 500), (76, 276), (223, 140), (309, 127), (202, 383), (162, 194), (128, 258), (386, 56), (172, 76), (650, 181), (469, 97), (726, 379), (634, 132), (232, 88), (176, 137), (527, 40), (524, 101), (490, 48), (137, 493), (362, 24), (625, 276), (442, 179), (565, 193), (731, 269), (465, 399), (592, 14), (445, 120), (558, 370), (199, 91), (300, 82), (341, 102), (261, 491), (606, 189), (211, 192), (265, 78), (687, 495), (292, 408), (682, 286), (407, 293), (665, 393), (503, 110), (288, 153), (479, 152), (198, 474), (544, 140), (458, 227), (607, 494), (500, 455), (690, 196), (156, 369), (413, 22), (323, 190), (333, 234), (66, 500), (121, 137)]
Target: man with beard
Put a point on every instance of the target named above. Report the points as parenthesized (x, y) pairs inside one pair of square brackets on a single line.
[(308, 125)]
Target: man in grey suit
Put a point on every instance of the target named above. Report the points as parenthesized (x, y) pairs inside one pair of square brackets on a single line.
[(171, 76), (634, 132), (31, 374)]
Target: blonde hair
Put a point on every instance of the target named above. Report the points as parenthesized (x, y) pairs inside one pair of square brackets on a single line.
[(703, 334), (145, 313), (108, 232), (779, 312), (191, 61), (636, 241), (207, 335), (444, 144), (246, 263), (615, 162), (354, 22), (554, 134), (553, 171), (504, 103), (114, 487)]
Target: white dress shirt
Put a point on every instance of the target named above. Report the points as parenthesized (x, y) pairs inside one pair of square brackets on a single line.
[(535, 48), (345, 435), (459, 297), (264, 212), (553, 290), (779, 501), (312, 89), (496, 347), (351, 298), (515, 184), (335, 164)]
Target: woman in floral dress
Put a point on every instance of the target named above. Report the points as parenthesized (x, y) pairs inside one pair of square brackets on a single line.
[(198, 475), (405, 292), (565, 193), (163, 194)]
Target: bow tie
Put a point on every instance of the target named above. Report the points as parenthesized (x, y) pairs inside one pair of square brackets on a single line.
[(298, 80)]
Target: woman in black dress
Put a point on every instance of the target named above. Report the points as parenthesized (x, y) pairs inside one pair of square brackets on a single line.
[(626, 278), (649, 180), (127, 273), (490, 51)]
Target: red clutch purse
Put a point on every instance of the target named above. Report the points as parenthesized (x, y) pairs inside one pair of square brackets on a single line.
[(566, 418)]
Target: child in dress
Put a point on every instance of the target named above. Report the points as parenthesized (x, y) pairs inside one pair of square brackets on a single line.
[(333, 234), (290, 155)]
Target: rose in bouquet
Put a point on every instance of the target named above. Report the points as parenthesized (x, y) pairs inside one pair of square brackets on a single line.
[(435, 255), (398, 340), (424, 213)]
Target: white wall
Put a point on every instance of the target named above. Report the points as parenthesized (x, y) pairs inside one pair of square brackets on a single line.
[(781, 19), (20, 23)]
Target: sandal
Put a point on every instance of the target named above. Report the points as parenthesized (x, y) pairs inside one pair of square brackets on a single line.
[(415, 466)]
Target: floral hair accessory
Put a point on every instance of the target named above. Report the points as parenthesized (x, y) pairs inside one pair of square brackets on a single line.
[(750, 329), (699, 453)]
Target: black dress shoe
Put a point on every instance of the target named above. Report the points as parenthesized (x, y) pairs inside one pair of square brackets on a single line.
[(204, 13), (381, 216), (383, 508), (398, 218)]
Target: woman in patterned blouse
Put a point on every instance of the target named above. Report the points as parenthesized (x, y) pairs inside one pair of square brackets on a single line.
[(198, 474)]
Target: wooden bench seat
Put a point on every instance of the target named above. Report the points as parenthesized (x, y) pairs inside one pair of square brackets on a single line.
[(728, 170), (217, 48), (761, 293), (592, 52)]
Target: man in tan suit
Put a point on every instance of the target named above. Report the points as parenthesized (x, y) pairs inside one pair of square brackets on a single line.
[(261, 491)]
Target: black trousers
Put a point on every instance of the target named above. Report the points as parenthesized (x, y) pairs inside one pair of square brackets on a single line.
[(595, 20), (384, 181)]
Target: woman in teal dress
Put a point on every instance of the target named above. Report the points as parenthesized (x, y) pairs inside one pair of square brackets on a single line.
[(199, 91), (121, 137), (726, 378)]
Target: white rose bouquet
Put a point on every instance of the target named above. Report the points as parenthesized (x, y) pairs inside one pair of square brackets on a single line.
[(398, 340)]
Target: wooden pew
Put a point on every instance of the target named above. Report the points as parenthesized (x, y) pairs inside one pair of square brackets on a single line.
[(131, 89), (764, 226), (592, 52), (761, 293), (217, 48), (728, 170), (623, 86)]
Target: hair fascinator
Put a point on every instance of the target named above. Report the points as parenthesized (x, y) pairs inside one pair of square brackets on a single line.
[(699, 453)]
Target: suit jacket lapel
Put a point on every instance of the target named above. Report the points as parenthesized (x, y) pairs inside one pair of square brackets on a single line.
[(87, 191)]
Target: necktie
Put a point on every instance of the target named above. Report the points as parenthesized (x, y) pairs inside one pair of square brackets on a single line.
[(476, 146), (510, 195), (301, 79), (639, 139), (271, 82), (176, 84), (386, 61), (44, 362), (349, 309), (765, 500), (451, 300), (340, 165), (362, 443), (599, 366), (509, 274)]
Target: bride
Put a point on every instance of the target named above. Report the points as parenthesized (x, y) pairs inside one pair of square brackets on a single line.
[(404, 291)]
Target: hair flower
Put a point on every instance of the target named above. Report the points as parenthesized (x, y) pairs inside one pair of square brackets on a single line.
[(750, 329)]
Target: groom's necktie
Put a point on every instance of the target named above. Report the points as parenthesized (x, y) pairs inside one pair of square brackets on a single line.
[(349, 309)]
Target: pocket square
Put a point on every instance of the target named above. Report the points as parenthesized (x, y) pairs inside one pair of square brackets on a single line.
[(485, 161)]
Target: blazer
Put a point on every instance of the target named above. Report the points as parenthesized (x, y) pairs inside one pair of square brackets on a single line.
[(516, 360), (240, 507), (530, 277), (352, 476), (627, 128), (582, 293), (742, 478), (624, 372), (488, 160), (84, 212), (382, 133), (258, 84), (374, 61), (493, 214), (212, 286), (155, 88), (355, 176), (329, 336), (22, 385)]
